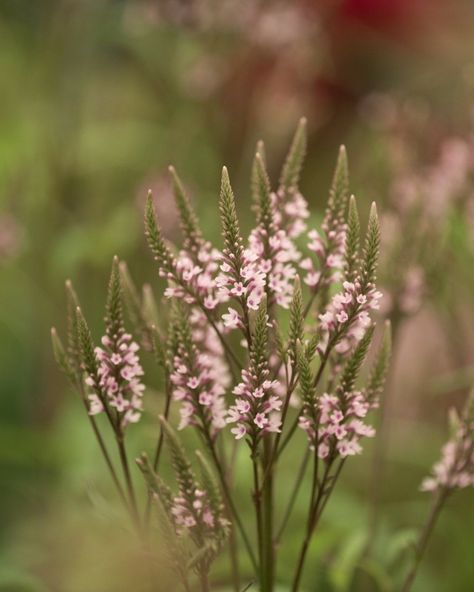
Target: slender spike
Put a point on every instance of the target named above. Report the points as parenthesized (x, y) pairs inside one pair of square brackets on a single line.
[(155, 238), (378, 374), (352, 368), (229, 220), (352, 241), (290, 173), (261, 193), (371, 249), (189, 221), (296, 318)]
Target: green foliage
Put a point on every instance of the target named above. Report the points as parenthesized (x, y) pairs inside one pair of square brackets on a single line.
[(371, 249), (182, 467), (312, 345), (229, 220), (155, 238), (261, 193), (352, 241), (73, 348), (88, 359), (189, 221), (378, 374), (258, 349), (296, 318), (141, 310), (131, 297), (290, 173), (114, 316), (353, 365), (155, 485), (339, 192), (306, 379), (61, 357)]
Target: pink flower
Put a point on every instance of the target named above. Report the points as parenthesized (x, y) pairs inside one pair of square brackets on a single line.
[(239, 431), (231, 319)]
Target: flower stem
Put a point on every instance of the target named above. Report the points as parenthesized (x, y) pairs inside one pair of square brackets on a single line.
[(128, 480), (424, 537), (229, 500), (294, 495)]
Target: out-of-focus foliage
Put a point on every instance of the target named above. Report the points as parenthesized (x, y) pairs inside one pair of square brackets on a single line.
[(97, 98)]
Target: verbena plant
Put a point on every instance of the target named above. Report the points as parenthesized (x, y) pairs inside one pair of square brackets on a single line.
[(258, 339)]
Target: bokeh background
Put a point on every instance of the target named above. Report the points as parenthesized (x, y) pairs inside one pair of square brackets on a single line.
[(97, 97)]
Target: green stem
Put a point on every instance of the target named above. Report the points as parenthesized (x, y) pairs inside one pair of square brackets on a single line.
[(424, 537), (315, 499), (268, 551), (128, 480), (230, 502), (103, 447), (293, 497), (258, 516)]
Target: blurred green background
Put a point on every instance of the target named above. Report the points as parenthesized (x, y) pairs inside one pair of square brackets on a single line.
[(97, 97)]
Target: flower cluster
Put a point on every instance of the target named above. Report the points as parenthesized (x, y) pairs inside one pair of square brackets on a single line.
[(455, 469), (347, 316), (290, 211), (194, 511), (196, 383), (118, 379), (339, 425), (193, 280), (256, 409)]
